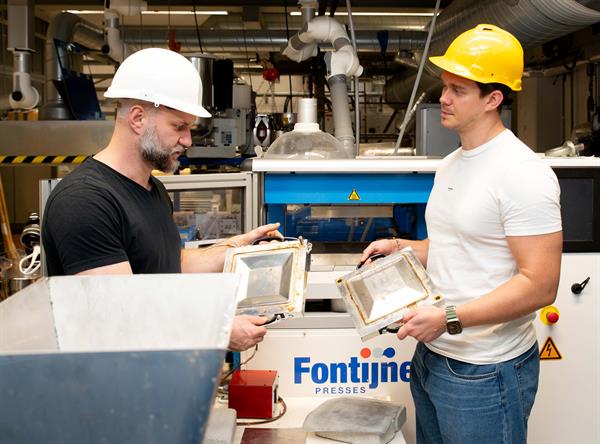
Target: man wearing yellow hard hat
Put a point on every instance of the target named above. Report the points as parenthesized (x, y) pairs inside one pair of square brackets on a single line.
[(493, 250)]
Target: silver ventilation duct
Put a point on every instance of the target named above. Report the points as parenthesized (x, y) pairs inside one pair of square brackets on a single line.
[(21, 43), (252, 41), (68, 28), (533, 22)]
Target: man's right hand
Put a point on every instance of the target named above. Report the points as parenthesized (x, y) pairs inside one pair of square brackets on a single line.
[(247, 331), (382, 246)]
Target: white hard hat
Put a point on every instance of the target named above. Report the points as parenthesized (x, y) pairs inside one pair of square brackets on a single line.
[(161, 77)]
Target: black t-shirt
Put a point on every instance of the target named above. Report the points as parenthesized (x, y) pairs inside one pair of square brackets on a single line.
[(96, 216)]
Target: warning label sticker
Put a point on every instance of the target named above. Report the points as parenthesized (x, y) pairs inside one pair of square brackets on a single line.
[(549, 350), (354, 195)]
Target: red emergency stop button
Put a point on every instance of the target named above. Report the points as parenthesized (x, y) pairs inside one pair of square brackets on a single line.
[(550, 315)]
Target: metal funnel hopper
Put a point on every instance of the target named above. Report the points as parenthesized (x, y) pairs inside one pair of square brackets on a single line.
[(107, 359)]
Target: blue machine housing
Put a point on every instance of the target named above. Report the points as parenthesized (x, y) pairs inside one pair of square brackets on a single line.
[(407, 192)]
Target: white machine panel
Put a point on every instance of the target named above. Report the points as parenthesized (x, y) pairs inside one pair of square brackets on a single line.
[(327, 362), (335, 362), (567, 406)]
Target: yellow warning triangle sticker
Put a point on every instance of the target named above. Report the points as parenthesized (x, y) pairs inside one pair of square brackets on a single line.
[(549, 350), (354, 195)]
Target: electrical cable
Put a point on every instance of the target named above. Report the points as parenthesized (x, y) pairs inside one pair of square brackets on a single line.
[(280, 400), (197, 29), (33, 261), (232, 370), (333, 8), (322, 7), (287, 34), (3, 27), (418, 79), (168, 16), (247, 57), (141, 32), (356, 84)]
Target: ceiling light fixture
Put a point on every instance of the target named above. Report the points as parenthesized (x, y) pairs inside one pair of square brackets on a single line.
[(184, 12), (98, 11), (380, 14)]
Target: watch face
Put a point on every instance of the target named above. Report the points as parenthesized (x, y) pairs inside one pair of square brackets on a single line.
[(454, 327)]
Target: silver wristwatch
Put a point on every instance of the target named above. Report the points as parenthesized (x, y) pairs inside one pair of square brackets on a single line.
[(453, 325)]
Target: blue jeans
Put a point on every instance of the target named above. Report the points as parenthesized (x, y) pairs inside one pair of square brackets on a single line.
[(461, 403)]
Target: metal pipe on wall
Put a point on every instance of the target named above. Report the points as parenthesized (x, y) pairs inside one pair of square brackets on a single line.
[(21, 43), (65, 27), (533, 22), (341, 112), (233, 41)]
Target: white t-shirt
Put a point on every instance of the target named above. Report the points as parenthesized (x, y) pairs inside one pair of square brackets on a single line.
[(479, 197)]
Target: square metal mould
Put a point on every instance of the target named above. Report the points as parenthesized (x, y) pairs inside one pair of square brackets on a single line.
[(380, 293), (273, 277)]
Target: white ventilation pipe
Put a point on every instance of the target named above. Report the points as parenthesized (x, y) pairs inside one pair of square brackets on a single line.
[(341, 64), (20, 42), (114, 47), (342, 122), (23, 94), (308, 8), (321, 29)]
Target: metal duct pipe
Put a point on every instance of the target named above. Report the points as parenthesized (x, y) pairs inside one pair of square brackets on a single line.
[(533, 22), (398, 89), (308, 8), (255, 40), (65, 27), (20, 42), (113, 47), (23, 95), (342, 123)]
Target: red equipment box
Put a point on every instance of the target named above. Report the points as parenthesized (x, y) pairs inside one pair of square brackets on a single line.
[(253, 393)]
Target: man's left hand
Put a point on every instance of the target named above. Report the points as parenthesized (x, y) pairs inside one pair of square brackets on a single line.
[(424, 324), (269, 230), (246, 332)]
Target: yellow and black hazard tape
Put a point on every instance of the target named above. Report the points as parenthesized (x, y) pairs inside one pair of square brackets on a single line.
[(41, 160)]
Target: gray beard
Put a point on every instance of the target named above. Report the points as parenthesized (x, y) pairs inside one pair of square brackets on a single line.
[(154, 153)]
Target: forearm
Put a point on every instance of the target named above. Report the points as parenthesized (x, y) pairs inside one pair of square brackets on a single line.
[(515, 298), (420, 247), (534, 286), (204, 260), (211, 259)]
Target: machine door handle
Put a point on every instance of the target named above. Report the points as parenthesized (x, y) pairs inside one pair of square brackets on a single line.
[(274, 238), (578, 288), (373, 258)]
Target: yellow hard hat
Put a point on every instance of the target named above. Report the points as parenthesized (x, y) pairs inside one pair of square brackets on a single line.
[(485, 54)]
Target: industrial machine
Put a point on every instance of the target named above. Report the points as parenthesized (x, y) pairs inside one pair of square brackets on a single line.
[(341, 205), (229, 129), (432, 138)]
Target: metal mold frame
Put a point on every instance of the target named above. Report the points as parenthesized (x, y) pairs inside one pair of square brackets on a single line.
[(289, 264), (379, 306)]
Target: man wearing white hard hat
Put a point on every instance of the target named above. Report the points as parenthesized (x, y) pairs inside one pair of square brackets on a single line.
[(110, 215)]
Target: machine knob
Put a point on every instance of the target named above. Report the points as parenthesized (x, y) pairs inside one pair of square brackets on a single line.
[(549, 315), (577, 288), (552, 317)]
